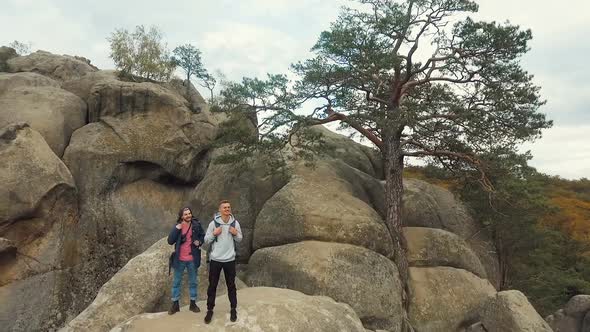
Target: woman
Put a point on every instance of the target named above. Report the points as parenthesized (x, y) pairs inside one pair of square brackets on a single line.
[(187, 237)]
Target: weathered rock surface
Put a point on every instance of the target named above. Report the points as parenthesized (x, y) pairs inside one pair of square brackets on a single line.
[(53, 112), (445, 298), (59, 67), (577, 306), (355, 155), (7, 247), (134, 168), (29, 171), (427, 205), (511, 311), (332, 203), (365, 280), (10, 81), (435, 247), (573, 317), (259, 309), (37, 215), (196, 102), (135, 289)]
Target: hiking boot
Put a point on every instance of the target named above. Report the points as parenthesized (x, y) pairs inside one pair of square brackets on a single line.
[(208, 316), (174, 308), (193, 307), (233, 315)]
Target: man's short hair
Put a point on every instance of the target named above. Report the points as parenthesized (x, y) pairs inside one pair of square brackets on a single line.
[(223, 201)]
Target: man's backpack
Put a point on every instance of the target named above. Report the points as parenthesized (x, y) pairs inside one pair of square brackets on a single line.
[(233, 224)]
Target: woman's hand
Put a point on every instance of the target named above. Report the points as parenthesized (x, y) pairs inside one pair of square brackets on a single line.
[(178, 226)]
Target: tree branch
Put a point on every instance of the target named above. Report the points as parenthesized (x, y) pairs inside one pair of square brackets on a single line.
[(472, 160)]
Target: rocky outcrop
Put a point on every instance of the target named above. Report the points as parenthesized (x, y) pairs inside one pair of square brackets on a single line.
[(145, 150), (432, 247), (511, 311), (427, 205), (37, 216), (134, 167), (445, 298), (259, 309), (365, 280), (574, 317), (58, 67)]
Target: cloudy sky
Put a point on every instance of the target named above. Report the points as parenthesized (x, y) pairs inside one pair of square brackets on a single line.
[(253, 37)]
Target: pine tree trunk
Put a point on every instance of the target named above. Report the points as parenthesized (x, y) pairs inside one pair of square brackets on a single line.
[(394, 166)]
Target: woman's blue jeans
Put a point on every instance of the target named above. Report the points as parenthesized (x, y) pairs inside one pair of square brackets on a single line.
[(192, 280)]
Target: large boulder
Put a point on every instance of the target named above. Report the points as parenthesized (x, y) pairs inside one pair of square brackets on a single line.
[(577, 306), (108, 95), (445, 298), (29, 172), (259, 309), (354, 154), (53, 112), (511, 311), (59, 67), (135, 289), (365, 280), (332, 202), (436, 247), (571, 317), (431, 206), (37, 218), (18, 80)]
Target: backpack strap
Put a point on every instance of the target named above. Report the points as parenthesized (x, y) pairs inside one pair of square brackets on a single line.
[(216, 225)]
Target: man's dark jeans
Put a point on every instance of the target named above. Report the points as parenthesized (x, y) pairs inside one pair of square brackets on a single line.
[(229, 270)]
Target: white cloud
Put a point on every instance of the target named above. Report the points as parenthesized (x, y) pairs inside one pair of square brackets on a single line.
[(238, 48), (563, 151)]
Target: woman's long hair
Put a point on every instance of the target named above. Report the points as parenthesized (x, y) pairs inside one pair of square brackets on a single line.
[(179, 220)]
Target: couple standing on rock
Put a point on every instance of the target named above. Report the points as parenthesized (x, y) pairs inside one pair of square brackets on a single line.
[(222, 236)]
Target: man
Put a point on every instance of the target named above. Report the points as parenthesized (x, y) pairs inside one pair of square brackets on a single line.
[(223, 234), (186, 236)]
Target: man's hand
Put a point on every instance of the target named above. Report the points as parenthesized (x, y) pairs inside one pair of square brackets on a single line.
[(217, 231), (178, 226), (233, 231), (196, 243)]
